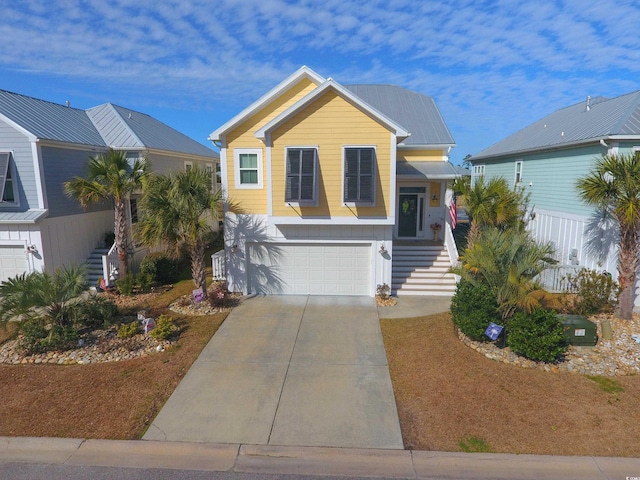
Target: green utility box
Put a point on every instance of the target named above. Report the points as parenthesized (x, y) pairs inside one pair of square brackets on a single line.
[(579, 331)]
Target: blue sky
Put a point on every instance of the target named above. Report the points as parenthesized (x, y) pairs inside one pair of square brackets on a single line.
[(493, 67)]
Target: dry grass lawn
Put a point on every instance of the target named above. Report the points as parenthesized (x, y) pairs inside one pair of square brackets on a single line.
[(451, 398), (109, 400)]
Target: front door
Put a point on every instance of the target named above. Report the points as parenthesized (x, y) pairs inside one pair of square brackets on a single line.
[(411, 207)]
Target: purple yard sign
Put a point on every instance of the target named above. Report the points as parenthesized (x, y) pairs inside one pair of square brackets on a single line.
[(493, 331), (198, 295)]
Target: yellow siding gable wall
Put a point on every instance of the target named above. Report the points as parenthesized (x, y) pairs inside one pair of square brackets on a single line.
[(329, 124), (421, 155), (255, 200)]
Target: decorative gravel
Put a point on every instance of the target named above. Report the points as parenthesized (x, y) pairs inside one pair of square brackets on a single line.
[(616, 357)]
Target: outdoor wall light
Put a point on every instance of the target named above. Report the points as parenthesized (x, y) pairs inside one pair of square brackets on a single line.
[(32, 249), (234, 248), (382, 250)]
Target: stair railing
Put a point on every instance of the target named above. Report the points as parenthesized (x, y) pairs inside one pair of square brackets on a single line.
[(110, 266), (218, 265), (450, 244)]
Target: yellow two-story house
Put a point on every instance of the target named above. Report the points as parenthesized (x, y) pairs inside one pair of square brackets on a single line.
[(336, 189)]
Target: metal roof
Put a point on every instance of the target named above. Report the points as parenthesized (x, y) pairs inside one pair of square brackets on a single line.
[(417, 113), (48, 120), (124, 128), (429, 170), (28, 217), (575, 124), (104, 126)]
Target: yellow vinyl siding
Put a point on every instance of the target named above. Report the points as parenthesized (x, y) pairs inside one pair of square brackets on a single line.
[(421, 155), (255, 200), (330, 124)]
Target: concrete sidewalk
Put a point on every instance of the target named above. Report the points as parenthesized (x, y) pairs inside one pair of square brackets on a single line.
[(311, 460), (288, 370)]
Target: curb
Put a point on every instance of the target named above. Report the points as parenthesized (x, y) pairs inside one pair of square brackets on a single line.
[(261, 459)]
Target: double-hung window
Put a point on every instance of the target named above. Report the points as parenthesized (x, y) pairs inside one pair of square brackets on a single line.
[(248, 168), (7, 183), (301, 175), (359, 174), (518, 173)]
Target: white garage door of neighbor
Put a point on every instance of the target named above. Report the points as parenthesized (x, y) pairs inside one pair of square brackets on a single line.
[(13, 261), (310, 269)]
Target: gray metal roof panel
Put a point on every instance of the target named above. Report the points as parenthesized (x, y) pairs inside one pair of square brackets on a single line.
[(115, 132), (430, 170), (48, 120), (417, 113), (574, 124), (30, 216), (157, 135)]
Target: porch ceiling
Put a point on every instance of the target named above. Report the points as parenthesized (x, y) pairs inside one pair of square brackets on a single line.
[(426, 170)]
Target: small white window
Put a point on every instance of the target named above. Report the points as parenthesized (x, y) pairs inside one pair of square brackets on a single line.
[(188, 166), (248, 168), (7, 183), (518, 173), (301, 171), (209, 169)]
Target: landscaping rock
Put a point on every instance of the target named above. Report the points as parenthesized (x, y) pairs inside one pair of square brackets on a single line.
[(618, 356)]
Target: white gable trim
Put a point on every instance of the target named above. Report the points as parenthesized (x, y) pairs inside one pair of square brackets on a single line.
[(396, 129), (302, 73)]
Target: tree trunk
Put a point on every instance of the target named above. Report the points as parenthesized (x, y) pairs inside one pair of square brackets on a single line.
[(121, 237), (627, 271), (198, 267)]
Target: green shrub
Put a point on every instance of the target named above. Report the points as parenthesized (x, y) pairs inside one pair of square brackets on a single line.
[(125, 285), (472, 307), (33, 332), (128, 330), (594, 292), (144, 281), (61, 338), (164, 328), (162, 268), (538, 335), (96, 312)]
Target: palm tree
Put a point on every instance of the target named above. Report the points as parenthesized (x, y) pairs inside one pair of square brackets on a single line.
[(614, 186), (111, 177), (507, 261), (492, 203), (40, 294), (179, 210)]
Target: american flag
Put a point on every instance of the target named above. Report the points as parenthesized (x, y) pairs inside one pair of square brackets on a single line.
[(453, 212)]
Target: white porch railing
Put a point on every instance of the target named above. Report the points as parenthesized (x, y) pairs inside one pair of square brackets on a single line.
[(110, 266), (218, 265), (450, 242), (554, 279)]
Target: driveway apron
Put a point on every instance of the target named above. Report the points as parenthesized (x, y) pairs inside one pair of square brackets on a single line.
[(288, 370)]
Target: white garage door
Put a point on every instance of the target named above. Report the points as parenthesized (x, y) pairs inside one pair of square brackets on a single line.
[(310, 269), (13, 261)]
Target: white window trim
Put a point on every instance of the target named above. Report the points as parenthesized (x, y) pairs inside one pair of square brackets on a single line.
[(316, 176), (374, 173), (11, 170), (515, 173), (236, 167)]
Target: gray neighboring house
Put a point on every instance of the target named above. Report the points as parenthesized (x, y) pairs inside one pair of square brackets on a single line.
[(44, 144), (547, 158)]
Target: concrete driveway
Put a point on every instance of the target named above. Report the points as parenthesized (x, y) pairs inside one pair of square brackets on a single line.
[(288, 370)]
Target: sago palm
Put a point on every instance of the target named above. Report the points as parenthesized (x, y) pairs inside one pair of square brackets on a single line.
[(40, 294), (507, 261), (614, 186), (180, 210), (111, 177)]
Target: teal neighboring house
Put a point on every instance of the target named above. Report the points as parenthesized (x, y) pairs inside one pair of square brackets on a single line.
[(547, 158)]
